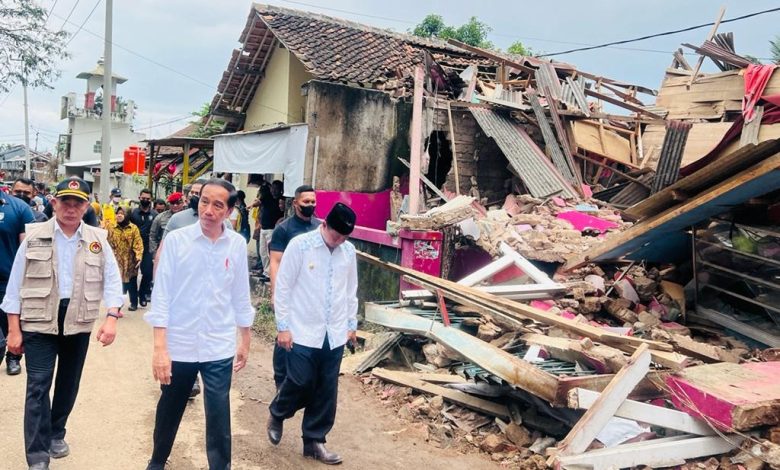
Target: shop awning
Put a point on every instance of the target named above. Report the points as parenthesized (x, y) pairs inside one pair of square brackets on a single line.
[(280, 149)]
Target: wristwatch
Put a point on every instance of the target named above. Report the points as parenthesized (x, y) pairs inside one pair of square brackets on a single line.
[(116, 315)]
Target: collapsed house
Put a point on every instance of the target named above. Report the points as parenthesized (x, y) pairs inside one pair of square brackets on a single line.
[(583, 259)]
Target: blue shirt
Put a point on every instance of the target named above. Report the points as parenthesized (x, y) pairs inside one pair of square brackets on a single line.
[(290, 228), (14, 214)]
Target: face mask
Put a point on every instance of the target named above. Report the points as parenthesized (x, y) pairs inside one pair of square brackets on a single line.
[(116, 199), (194, 200), (146, 204), (307, 211), (24, 198)]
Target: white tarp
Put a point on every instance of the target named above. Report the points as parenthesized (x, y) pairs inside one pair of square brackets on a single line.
[(277, 151)]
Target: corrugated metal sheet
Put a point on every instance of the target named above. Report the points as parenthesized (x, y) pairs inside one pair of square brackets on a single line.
[(553, 147), (668, 169), (546, 77), (573, 94), (633, 193), (527, 160)]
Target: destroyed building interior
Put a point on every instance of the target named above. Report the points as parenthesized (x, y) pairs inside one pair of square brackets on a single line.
[(595, 265)]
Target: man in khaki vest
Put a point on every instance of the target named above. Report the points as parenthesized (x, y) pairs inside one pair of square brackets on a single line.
[(61, 271)]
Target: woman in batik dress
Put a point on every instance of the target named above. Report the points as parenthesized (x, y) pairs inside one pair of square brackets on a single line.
[(125, 239)]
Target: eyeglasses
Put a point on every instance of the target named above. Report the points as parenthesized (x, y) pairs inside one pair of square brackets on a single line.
[(177, 202)]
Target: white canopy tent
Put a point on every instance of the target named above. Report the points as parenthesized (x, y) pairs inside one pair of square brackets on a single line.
[(280, 149)]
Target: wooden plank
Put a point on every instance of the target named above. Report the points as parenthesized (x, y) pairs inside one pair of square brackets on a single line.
[(416, 142), (487, 271), (581, 398), (617, 172), (604, 408), (454, 152), (601, 358), (609, 144), (526, 266), (490, 55), (759, 176), (527, 291), (427, 182), (620, 103), (657, 453), (758, 334), (705, 178), (464, 399), (750, 129), (702, 139), (710, 35)]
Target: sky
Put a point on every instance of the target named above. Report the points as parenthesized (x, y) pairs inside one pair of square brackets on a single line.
[(174, 52)]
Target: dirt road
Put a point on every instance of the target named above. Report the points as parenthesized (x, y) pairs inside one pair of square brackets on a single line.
[(112, 423)]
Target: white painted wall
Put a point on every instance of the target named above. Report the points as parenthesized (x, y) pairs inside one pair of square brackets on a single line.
[(85, 132)]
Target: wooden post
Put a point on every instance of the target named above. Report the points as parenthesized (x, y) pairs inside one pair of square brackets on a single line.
[(151, 168), (454, 153), (314, 163), (185, 177), (709, 38), (416, 147)]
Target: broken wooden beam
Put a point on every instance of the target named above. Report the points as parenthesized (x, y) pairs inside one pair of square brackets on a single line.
[(581, 398), (460, 398), (604, 408), (622, 104), (602, 359)]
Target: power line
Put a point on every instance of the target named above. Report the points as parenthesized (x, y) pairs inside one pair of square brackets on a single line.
[(665, 33), (70, 14), (81, 26)]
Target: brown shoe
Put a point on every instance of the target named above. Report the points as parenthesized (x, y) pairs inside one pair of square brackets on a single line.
[(317, 451)]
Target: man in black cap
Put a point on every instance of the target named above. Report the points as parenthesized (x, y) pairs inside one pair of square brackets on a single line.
[(62, 270), (316, 314)]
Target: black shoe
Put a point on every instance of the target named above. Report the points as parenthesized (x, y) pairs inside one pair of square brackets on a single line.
[(195, 389), (39, 466), (132, 308), (275, 430), (58, 448), (12, 366), (142, 302), (317, 451)]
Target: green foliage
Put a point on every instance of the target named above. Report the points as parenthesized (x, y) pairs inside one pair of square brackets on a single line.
[(28, 49), (518, 48), (774, 47), (474, 32), (203, 129)]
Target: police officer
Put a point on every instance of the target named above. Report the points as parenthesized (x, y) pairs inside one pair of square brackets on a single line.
[(60, 273)]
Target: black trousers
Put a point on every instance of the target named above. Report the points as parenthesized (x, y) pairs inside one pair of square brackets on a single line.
[(131, 288), (217, 376), (280, 365), (45, 420), (147, 267), (311, 383), (4, 335)]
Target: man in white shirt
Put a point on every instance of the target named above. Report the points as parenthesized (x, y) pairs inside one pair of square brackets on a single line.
[(62, 270), (316, 314), (200, 298)]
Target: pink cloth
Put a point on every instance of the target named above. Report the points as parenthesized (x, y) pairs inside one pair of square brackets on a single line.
[(582, 221), (756, 78)]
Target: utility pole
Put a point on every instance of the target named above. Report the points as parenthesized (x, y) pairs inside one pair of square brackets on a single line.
[(27, 168), (36, 140), (105, 142)]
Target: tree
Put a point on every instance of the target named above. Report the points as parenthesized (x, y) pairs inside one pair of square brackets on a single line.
[(474, 32), (28, 50), (774, 47), (205, 127), (518, 48)]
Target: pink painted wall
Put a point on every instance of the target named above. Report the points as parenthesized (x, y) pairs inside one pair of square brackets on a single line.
[(372, 209), (421, 251)]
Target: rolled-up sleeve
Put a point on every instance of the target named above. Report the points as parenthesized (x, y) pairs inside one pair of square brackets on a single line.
[(285, 281), (12, 302), (245, 313), (112, 280), (158, 315)]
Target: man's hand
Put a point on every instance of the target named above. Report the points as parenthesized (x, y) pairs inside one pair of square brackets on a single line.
[(14, 342), (161, 366), (352, 337), (242, 354), (107, 332), (284, 340)]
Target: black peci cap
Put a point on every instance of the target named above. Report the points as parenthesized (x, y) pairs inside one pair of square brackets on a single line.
[(73, 186), (341, 219)]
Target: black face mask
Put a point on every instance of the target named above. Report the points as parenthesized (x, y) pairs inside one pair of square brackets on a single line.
[(194, 200), (145, 204), (307, 211), (26, 199)]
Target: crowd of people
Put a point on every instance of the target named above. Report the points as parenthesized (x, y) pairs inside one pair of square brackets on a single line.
[(58, 263)]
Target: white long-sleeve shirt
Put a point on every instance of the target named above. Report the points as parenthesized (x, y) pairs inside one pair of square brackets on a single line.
[(201, 294), (316, 291), (66, 249)]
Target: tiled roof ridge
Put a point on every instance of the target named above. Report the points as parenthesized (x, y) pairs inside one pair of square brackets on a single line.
[(405, 37)]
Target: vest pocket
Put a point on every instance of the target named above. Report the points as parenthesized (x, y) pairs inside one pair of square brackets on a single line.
[(34, 304), (39, 264), (94, 269), (90, 309)]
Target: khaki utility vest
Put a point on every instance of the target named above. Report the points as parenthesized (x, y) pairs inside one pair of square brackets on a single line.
[(40, 292)]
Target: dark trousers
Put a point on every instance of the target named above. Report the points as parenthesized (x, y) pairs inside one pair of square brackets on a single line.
[(217, 376), (311, 383), (280, 365), (147, 267), (131, 288), (4, 336), (45, 420)]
